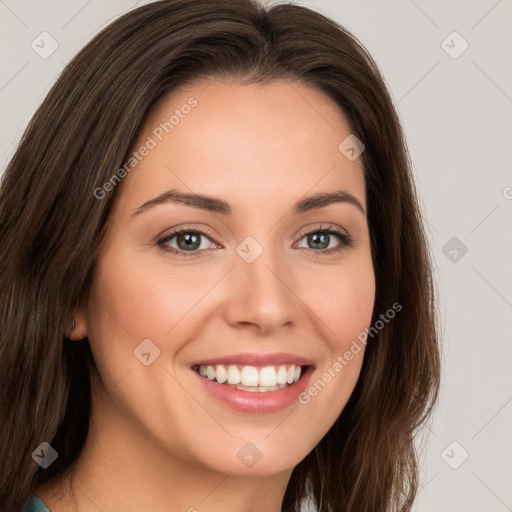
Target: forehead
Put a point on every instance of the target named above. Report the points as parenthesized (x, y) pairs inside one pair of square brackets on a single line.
[(244, 142)]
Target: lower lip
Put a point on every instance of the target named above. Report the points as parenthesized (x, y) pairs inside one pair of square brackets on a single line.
[(256, 401)]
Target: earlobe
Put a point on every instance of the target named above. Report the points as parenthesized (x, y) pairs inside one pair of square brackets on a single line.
[(77, 328)]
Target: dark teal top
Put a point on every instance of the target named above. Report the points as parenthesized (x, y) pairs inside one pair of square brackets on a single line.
[(35, 505)]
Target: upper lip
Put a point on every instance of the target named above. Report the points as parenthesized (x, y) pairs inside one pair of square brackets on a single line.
[(256, 359)]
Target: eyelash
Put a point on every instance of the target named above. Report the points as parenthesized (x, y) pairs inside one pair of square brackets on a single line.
[(346, 241)]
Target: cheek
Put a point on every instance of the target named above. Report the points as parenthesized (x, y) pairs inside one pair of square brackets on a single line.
[(344, 302), (351, 310), (145, 298), (343, 299)]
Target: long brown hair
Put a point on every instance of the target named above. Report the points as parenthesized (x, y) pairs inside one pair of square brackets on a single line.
[(52, 227)]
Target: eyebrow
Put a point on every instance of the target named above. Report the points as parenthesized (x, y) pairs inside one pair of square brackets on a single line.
[(217, 205)]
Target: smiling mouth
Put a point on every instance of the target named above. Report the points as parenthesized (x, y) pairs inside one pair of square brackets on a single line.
[(252, 378)]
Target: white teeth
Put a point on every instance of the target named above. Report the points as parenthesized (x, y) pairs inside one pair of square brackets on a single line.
[(210, 372), (269, 388), (256, 389), (221, 374), (281, 375), (268, 376), (251, 378), (233, 374)]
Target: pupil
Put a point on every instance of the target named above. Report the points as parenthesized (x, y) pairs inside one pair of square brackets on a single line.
[(320, 238), (191, 240)]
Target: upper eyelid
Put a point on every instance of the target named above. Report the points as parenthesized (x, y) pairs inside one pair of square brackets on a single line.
[(323, 227)]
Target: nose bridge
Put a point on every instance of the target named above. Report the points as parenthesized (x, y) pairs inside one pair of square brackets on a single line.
[(260, 291)]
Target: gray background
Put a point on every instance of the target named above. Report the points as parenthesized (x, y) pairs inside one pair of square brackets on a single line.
[(457, 114)]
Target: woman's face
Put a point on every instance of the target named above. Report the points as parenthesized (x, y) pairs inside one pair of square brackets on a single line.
[(252, 282)]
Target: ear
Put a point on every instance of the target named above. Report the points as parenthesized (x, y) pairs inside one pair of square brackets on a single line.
[(77, 327)]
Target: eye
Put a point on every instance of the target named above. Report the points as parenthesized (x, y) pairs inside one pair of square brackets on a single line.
[(188, 242), (320, 238)]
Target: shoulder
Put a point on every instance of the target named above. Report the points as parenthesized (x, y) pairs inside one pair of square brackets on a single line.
[(35, 505)]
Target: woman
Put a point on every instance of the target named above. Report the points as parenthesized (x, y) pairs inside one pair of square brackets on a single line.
[(216, 289)]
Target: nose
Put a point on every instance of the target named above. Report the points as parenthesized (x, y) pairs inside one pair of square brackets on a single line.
[(260, 294)]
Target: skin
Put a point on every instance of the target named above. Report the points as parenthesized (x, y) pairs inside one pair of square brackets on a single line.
[(157, 440)]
